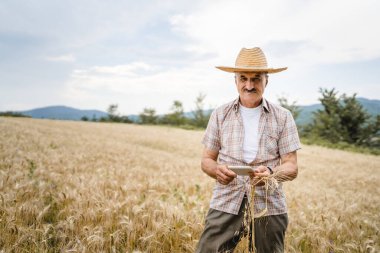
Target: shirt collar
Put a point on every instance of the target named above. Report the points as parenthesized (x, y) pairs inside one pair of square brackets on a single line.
[(264, 104)]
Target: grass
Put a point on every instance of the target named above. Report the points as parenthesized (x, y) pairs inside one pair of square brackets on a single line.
[(340, 145), (88, 187)]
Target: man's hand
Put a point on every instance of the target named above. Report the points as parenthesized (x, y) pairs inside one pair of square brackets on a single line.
[(223, 174), (258, 174)]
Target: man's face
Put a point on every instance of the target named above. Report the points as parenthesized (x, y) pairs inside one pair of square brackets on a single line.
[(251, 88)]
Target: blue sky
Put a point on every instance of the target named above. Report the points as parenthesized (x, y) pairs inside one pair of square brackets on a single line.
[(90, 53)]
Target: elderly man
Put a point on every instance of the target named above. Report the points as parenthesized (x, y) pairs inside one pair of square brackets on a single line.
[(249, 131)]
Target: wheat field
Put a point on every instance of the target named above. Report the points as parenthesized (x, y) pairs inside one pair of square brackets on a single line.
[(101, 187)]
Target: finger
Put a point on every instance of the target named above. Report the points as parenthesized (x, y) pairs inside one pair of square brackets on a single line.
[(221, 175), (224, 182), (261, 169), (263, 174), (220, 180), (228, 174)]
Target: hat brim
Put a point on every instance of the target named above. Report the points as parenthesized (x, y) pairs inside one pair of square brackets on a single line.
[(251, 69)]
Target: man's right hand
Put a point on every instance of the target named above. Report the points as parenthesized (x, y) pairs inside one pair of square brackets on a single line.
[(223, 174)]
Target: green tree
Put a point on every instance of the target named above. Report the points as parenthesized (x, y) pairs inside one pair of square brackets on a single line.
[(112, 113), (176, 117), (200, 117), (326, 122), (343, 119), (13, 114), (148, 116)]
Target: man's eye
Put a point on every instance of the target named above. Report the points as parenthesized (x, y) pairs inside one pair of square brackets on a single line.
[(243, 79), (256, 79)]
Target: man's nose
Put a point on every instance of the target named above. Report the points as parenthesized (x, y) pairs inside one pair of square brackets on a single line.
[(250, 84)]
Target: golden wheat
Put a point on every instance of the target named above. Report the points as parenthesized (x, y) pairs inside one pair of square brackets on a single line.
[(99, 187)]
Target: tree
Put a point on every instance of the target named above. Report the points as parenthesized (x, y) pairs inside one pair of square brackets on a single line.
[(176, 117), (84, 118), (13, 114), (148, 116), (200, 117), (112, 112), (343, 119), (293, 108), (326, 122), (113, 115)]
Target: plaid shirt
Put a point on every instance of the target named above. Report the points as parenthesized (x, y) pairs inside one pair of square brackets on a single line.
[(225, 133)]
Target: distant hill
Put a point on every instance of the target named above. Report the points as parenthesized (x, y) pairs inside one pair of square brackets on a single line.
[(68, 113), (306, 114), (63, 113), (371, 105)]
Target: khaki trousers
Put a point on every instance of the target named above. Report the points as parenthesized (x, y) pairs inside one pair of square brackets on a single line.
[(223, 232)]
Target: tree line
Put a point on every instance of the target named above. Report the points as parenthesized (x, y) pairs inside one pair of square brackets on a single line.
[(198, 118), (342, 121)]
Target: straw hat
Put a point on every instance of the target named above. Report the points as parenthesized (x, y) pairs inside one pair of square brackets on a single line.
[(251, 60)]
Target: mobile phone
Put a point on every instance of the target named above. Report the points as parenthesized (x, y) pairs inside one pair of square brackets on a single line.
[(241, 170)]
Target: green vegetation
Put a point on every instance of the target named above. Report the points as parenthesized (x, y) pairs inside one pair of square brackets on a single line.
[(200, 117), (343, 123), (148, 116), (176, 117), (339, 145), (13, 114), (292, 107), (113, 116)]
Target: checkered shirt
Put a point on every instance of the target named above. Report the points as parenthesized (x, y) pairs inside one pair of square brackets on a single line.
[(225, 133)]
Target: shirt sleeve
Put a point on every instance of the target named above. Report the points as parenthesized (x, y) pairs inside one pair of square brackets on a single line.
[(289, 140), (211, 139)]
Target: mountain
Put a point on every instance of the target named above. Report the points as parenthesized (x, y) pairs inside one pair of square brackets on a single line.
[(63, 112), (372, 106), (68, 113), (306, 114)]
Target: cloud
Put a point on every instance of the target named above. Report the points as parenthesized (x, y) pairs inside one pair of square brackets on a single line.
[(149, 53), (314, 31), (139, 85)]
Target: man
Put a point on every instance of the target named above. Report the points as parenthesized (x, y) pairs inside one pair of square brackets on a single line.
[(248, 131)]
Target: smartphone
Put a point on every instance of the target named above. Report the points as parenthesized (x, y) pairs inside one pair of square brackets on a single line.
[(241, 170)]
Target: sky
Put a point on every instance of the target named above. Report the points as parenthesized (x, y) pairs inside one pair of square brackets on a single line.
[(89, 54)]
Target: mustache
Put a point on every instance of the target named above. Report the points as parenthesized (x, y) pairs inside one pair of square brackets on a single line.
[(253, 90)]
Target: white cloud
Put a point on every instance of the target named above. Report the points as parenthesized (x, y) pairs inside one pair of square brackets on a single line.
[(320, 31), (147, 54), (141, 87)]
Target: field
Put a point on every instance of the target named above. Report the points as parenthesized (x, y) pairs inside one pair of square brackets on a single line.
[(99, 187)]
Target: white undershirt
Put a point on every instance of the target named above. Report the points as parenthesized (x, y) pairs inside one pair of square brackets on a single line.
[(251, 117)]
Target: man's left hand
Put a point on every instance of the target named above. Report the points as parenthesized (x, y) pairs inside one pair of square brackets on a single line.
[(258, 174)]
